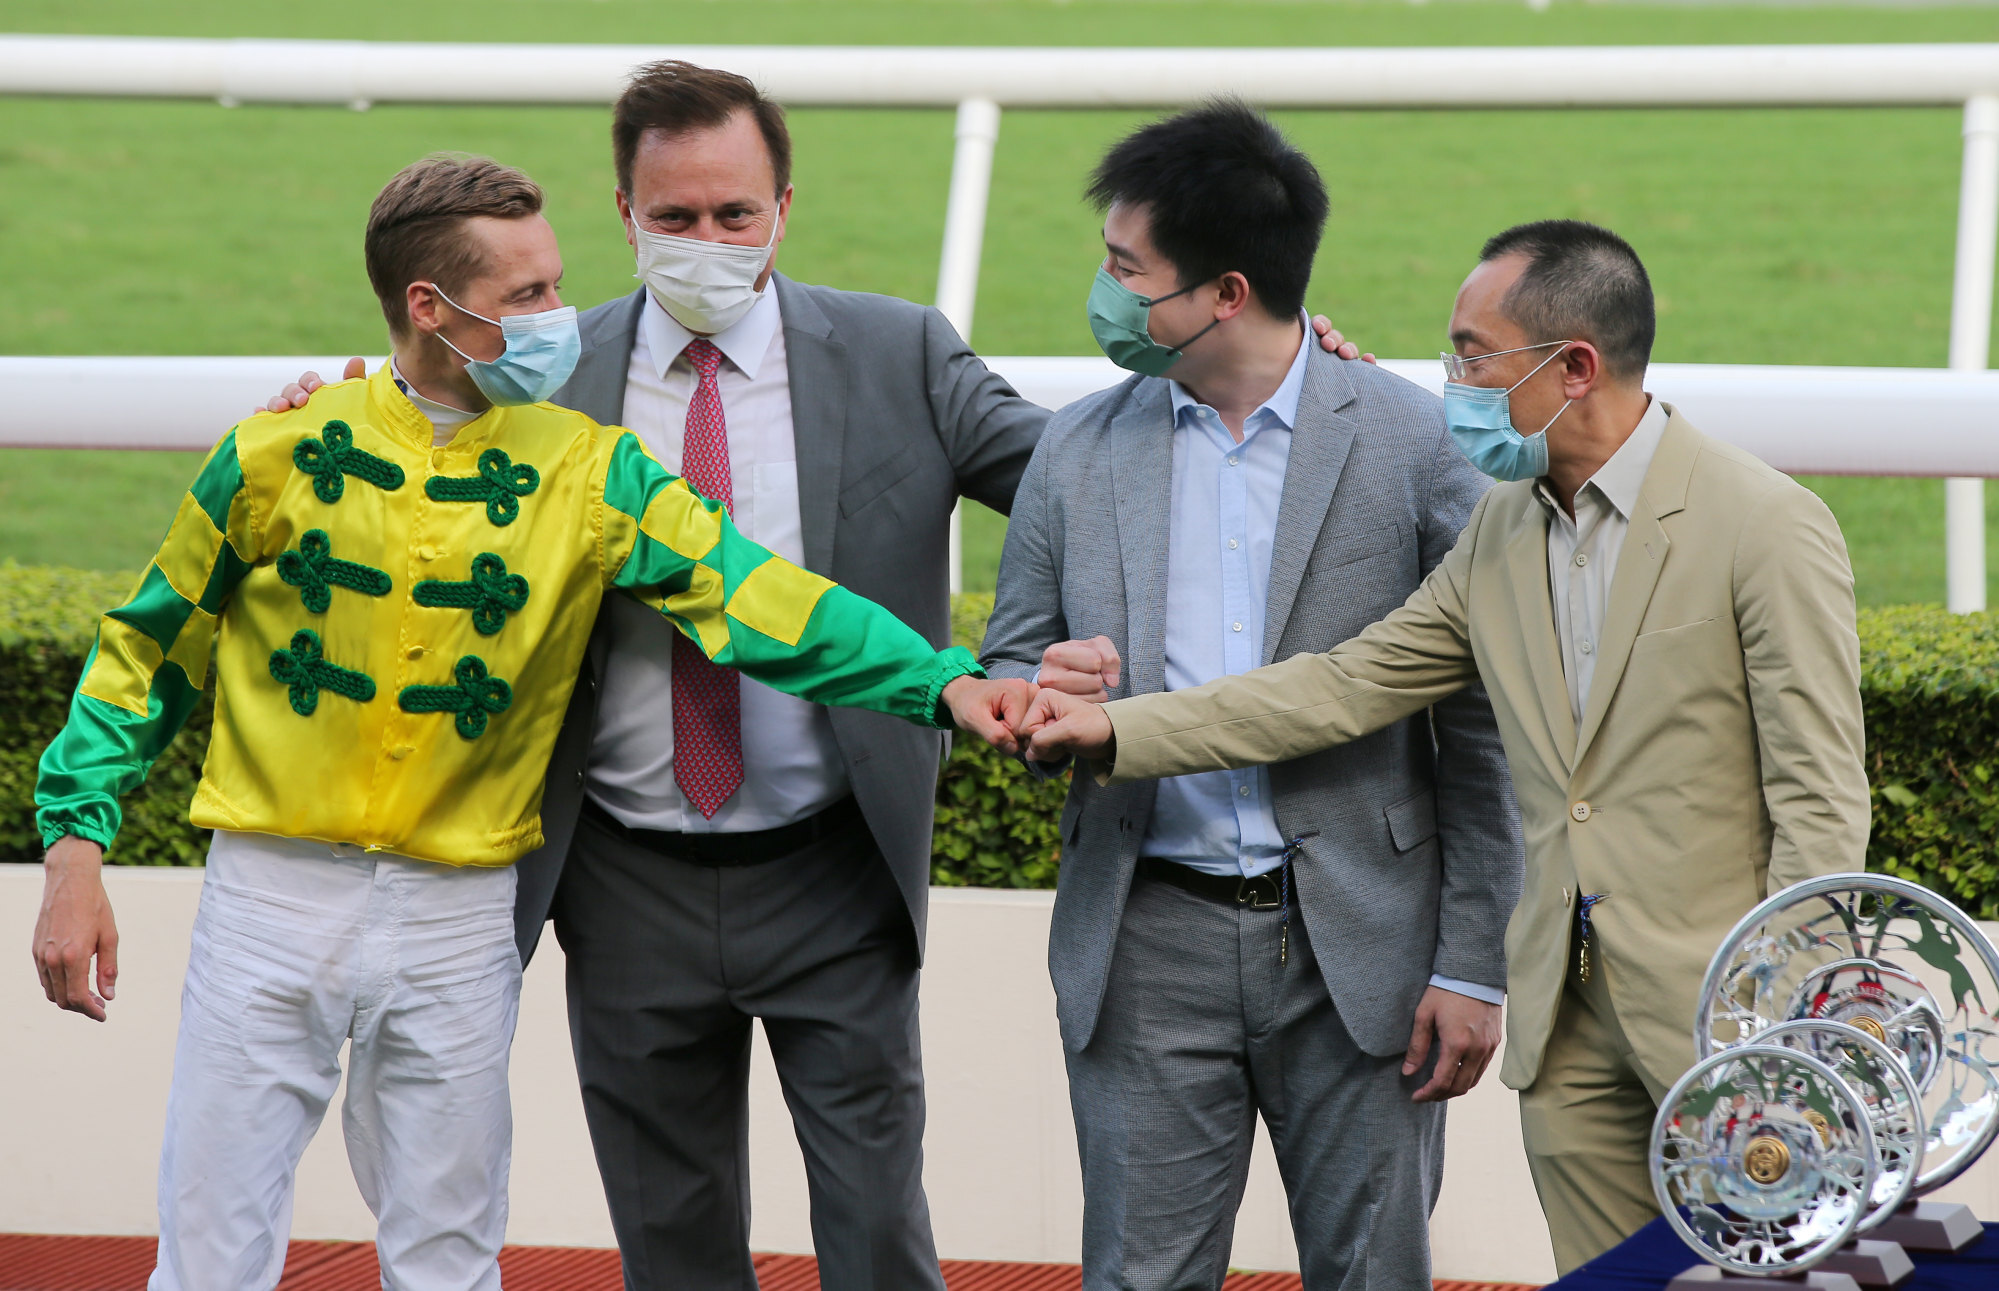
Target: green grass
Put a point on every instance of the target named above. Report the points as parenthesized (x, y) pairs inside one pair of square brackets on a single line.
[(1785, 236)]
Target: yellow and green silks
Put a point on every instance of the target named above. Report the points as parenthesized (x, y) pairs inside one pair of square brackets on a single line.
[(394, 655)]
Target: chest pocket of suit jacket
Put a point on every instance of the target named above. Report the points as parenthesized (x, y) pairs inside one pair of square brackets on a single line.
[(1338, 553), (1701, 633), (1694, 659), (879, 479)]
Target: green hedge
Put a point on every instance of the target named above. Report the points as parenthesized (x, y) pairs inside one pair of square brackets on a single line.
[(1931, 683), (1930, 680)]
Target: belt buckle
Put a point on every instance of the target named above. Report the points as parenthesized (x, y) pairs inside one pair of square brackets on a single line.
[(1259, 893)]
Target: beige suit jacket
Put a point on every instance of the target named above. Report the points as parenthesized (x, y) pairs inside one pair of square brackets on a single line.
[(1719, 758)]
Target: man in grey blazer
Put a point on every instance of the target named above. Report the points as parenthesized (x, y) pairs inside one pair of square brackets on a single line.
[(717, 852), (1319, 942)]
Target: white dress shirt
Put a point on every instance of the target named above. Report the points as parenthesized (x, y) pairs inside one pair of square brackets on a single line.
[(791, 762), (1583, 550)]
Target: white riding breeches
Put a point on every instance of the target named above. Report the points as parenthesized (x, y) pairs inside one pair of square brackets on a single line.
[(298, 947)]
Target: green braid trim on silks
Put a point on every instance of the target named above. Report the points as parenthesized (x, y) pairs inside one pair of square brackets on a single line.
[(476, 696), (315, 571), (305, 670), (329, 463), (500, 485), (491, 593)]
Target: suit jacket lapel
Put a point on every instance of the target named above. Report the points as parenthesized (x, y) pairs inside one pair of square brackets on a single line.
[(1319, 444), (597, 387), (1638, 567), (1527, 570), (1142, 480), (816, 366)]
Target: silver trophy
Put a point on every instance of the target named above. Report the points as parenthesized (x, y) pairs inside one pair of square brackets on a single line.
[(1895, 1115), (1902, 964), (1764, 1161), (1892, 991)]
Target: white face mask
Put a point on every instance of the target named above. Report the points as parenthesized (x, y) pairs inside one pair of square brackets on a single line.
[(706, 286)]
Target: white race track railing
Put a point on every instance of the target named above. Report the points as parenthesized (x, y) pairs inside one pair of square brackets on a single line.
[(979, 82), (1803, 420)]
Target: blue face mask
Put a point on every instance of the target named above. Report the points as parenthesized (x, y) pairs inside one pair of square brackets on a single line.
[(1481, 421), (541, 351), (1118, 319)]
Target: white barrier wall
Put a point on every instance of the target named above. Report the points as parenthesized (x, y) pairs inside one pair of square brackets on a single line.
[(81, 1107)]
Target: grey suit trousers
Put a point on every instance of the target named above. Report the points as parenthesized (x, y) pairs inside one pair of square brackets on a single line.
[(1202, 1029), (668, 962)]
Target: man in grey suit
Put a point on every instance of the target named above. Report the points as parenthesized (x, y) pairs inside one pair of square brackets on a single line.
[(717, 851), (1319, 941)]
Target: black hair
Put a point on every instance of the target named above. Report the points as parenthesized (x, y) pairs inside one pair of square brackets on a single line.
[(1223, 190), (1582, 283)]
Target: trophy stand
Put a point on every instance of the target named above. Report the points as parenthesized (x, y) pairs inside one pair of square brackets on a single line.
[(1706, 1277), (1872, 1262), (1932, 1226)]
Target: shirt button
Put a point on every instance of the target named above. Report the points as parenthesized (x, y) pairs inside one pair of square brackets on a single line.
[(401, 751), (1232, 544), (1238, 627), (415, 652), (1581, 559), (1581, 811), (1232, 461), (1244, 791), (1585, 647), (427, 553)]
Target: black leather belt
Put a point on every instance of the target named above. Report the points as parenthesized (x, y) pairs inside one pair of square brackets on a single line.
[(719, 851), (1264, 892)]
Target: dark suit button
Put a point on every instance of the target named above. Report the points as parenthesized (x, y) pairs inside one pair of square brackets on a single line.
[(579, 779)]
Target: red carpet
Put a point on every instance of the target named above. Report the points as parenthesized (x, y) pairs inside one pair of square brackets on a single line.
[(35, 1263)]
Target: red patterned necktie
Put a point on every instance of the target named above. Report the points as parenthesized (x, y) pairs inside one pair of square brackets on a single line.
[(707, 698)]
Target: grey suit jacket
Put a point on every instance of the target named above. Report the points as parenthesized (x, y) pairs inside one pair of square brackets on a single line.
[(894, 418), (1414, 859)]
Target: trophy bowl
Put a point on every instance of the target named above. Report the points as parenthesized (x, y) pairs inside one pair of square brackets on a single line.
[(1894, 1105), (1763, 1160), (1891, 959)]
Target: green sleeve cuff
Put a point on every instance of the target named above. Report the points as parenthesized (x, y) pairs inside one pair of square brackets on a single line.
[(56, 826), (952, 663)]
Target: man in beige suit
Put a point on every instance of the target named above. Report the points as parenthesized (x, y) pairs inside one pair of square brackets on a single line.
[(1666, 628)]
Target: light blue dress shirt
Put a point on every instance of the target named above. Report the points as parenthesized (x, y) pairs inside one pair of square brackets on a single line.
[(1224, 522), (1223, 527)]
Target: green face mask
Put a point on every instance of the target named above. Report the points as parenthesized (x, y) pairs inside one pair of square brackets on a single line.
[(1118, 321)]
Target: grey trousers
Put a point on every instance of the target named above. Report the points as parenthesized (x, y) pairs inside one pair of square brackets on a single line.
[(667, 965), (1201, 1030)]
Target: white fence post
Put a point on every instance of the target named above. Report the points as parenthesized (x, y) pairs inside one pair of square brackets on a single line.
[(964, 239), (1971, 341)]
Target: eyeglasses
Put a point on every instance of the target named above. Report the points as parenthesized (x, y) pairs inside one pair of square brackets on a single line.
[(1456, 365)]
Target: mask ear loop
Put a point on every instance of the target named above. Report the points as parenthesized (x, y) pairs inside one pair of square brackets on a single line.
[(482, 318), (1509, 390), (1181, 349)]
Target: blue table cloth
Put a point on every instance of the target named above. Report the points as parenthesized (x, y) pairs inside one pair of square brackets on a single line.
[(1653, 1256)]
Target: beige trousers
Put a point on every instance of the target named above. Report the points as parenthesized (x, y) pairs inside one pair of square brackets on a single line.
[(1587, 1123)]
